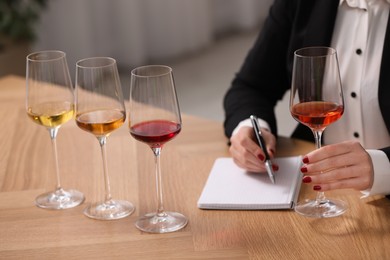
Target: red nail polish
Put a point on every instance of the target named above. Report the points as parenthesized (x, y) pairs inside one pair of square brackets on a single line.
[(306, 179), (275, 167), (303, 169), (261, 157), (305, 159), (272, 151), (317, 187)]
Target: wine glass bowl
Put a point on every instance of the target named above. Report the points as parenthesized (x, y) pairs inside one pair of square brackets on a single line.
[(316, 100), (317, 114), (155, 119), (100, 110), (50, 103), (155, 133)]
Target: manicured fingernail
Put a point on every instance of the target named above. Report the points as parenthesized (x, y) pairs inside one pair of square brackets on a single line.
[(303, 169), (317, 187), (275, 167), (305, 159), (306, 179), (272, 151), (261, 157)]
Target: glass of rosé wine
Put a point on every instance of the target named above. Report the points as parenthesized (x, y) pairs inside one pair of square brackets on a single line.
[(100, 110), (154, 120), (50, 103), (316, 100)]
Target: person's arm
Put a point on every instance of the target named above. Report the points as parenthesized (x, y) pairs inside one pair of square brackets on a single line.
[(263, 78), (257, 87)]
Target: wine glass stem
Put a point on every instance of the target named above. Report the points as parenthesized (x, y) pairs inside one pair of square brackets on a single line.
[(53, 136), (102, 142), (317, 137), (159, 189)]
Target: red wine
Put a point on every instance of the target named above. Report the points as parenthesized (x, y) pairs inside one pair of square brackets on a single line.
[(156, 132), (317, 114)]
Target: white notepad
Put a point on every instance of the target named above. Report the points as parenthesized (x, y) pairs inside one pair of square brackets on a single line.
[(230, 187)]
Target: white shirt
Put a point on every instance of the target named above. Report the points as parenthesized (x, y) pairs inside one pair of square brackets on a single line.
[(358, 37)]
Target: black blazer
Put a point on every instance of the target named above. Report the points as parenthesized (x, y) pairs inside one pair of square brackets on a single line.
[(266, 73)]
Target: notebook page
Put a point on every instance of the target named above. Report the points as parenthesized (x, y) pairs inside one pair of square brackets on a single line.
[(230, 187)]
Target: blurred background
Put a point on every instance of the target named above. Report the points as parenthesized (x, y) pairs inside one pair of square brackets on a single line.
[(204, 41)]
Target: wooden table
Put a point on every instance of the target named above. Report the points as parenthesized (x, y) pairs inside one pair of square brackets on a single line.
[(28, 232)]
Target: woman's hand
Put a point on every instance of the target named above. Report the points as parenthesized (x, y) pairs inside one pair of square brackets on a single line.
[(338, 166), (247, 154)]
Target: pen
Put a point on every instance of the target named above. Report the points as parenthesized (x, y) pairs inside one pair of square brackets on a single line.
[(260, 140)]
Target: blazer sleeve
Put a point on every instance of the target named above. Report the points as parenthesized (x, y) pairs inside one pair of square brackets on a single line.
[(263, 78), (386, 150)]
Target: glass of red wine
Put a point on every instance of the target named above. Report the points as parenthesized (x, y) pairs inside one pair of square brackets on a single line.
[(154, 120), (316, 100)]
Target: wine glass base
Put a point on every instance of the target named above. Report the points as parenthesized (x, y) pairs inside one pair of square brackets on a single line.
[(60, 199), (161, 223), (109, 210), (326, 209)]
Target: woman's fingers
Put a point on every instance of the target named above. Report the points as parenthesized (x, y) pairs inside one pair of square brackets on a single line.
[(245, 151), (338, 166)]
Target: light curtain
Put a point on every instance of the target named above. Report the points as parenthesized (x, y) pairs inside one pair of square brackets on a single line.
[(136, 32)]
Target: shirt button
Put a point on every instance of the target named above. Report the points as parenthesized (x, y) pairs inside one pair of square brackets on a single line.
[(358, 51), (353, 94), (356, 135)]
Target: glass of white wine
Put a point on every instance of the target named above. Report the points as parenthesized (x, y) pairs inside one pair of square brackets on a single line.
[(100, 110), (50, 103)]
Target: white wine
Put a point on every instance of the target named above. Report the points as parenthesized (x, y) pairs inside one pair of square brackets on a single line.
[(101, 122), (51, 114)]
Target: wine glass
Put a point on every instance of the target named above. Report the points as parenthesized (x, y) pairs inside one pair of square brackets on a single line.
[(100, 110), (50, 103), (316, 100), (155, 119)]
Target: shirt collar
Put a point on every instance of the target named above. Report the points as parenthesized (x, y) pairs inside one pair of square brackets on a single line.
[(361, 4)]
